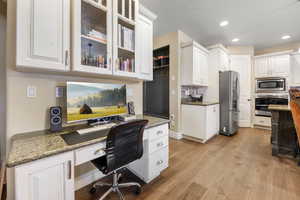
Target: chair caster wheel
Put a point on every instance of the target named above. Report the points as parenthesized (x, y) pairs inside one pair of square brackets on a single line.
[(137, 190), (93, 190)]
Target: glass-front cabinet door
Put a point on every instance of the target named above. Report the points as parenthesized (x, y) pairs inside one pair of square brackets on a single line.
[(124, 42), (92, 36)]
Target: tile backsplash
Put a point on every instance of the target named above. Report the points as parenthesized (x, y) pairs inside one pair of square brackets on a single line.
[(192, 90)]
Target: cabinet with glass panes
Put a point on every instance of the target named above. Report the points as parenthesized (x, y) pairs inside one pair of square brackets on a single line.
[(104, 37), (124, 20), (92, 36)]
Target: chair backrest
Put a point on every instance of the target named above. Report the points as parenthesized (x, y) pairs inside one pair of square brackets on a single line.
[(124, 144), (295, 108)]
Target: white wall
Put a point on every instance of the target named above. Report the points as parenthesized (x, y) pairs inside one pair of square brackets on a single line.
[(2, 81)]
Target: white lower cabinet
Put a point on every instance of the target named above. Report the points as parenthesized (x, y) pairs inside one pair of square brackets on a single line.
[(47, 179), (156, 154), (200, 122), (262, 121)]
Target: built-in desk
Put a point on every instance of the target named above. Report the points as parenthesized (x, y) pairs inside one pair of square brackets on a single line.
[(44, 164)]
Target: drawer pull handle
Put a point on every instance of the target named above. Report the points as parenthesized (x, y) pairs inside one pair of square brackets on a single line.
[(98, 151), (159, 132), (69, 169), (159, 162), (160, 144)]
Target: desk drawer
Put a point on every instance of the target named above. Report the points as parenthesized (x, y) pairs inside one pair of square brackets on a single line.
[(158, 144), (158, 132), (158, 161), (89, 153)]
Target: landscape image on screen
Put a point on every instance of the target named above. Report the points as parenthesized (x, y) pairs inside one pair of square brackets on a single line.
[(94, 100)]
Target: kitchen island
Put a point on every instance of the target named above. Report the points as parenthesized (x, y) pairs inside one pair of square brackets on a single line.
[(284, 137)]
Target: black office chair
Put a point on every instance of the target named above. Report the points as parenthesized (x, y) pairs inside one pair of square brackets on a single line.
[(124, 145)]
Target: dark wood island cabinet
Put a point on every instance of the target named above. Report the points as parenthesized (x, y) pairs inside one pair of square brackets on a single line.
[(284, 136)]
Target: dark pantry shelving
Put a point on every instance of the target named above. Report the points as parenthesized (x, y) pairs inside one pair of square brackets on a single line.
[(156, 92)]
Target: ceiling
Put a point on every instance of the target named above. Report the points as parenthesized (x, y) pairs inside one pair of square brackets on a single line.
[(260, 23)]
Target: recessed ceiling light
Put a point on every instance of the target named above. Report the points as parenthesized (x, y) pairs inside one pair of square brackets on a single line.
[(224, 23), (235, 40), (285, 37)]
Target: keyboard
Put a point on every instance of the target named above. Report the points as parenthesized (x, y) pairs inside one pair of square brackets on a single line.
[(95, 128)]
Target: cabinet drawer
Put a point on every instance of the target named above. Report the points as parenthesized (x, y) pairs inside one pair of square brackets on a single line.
[(158, 161), (158, 144), (158, 132), (262, 121), (89, 153)]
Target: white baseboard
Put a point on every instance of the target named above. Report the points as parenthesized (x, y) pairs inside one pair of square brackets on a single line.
[(175, 135), (87, 178), (244, 124)]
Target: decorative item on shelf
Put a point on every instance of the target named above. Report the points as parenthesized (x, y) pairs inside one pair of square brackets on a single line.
[(127, 64), (101, 37), (126, 38), (90, 60), (131, 109)]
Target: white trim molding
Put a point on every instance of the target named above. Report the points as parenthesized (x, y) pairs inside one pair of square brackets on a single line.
[(175, 135)]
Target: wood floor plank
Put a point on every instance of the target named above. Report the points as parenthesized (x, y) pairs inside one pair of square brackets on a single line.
[(226, 168)]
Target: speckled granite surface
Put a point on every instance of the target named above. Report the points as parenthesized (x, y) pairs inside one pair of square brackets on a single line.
[(36, 145), (280, 107), (199, 103)]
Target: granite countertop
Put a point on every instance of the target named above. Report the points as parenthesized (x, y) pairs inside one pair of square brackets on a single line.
[(199, 103), (279, 107), (36, 145)]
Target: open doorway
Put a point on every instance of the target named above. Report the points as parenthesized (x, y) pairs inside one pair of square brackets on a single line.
[(156, 93)]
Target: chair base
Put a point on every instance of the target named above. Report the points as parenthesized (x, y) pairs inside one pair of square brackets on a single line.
[(115, 186)]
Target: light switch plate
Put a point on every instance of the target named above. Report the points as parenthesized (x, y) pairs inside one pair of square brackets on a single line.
[(129, 92), (31, 91)]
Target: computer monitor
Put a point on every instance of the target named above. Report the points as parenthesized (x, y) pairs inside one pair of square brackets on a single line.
[(87, 101)]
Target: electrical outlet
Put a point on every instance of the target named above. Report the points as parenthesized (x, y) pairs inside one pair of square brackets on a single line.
[(31, 91), (59, 92)]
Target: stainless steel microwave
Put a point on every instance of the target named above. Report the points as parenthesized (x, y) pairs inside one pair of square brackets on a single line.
[(267, 85)]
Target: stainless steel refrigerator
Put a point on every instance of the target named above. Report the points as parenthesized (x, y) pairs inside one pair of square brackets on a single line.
[(229, 102)]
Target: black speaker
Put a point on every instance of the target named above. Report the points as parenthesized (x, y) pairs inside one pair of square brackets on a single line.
[(55, 119)]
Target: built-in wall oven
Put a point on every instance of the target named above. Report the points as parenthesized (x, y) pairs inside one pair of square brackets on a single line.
[(270, 85), (262, 102)]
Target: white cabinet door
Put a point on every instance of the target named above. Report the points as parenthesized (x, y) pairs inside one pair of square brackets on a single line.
[(212, 121), (92, 37), (280, 65), (242, 65), (194, 64), (194, 121), (295, 70), (43, 34), (262, 67), (125, 15), (196, 71), (144, 53), (46, 179)]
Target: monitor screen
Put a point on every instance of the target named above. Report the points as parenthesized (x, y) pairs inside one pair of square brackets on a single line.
[(94, 100)]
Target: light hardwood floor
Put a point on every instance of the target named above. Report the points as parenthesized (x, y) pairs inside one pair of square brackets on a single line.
[(226, 168)]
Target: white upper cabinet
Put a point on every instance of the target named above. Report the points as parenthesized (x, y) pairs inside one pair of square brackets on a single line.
[(144, 51), (47, 179), (92, 36), (261, 67), (194, 64), (280, 65), (295, 70), (272, 66), (43, 34), (125, 15)]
